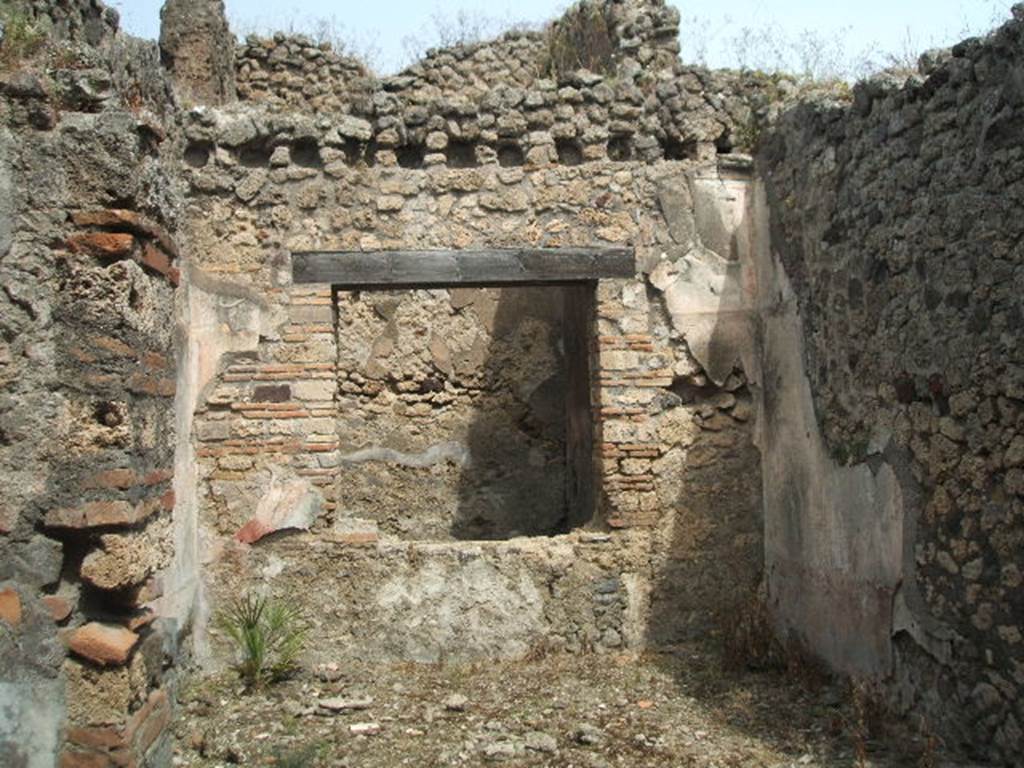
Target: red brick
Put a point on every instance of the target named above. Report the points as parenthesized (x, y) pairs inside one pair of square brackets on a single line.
[(105, 644), (59, 607), (73, 758), (97, 514), (92, 515), (112, 345), (149, 722), (118, 218), (144, 619), (82, 356), (156, 259), (320, 447), (112, 478), (155, 361), (106, 245), (101, 381), (167, 501), (158, 476), (10, 607), (152, 385), (96, 738), (267, 406), (275, 414)]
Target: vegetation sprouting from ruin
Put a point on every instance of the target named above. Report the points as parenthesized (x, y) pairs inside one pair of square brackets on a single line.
[(20, 37), (584, 38)]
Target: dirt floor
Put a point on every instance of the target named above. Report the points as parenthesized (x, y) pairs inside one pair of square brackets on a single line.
[(593, 711)]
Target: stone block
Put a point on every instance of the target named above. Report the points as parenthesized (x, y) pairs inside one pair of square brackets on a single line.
[(210, 431), (116, 218), (125, 560), (271, 393), (105, 245), (319, 390), (35, 563), (618, 360), (96, 514), (102, 695), (59, 607), (8, 518), (110, 479), (105, 644), (10, 607)]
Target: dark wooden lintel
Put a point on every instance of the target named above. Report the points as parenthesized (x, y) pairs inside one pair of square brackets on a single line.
[(467, 267)]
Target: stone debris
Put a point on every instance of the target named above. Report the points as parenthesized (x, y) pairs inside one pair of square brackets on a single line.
[(364, 729), (338, 704), (504, 749), (330, 672), (456, 703), (587, 734), (103, 644), (537, 741)]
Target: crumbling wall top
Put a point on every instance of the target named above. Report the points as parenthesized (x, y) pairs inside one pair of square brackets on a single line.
[(198, 50), (86, 21)]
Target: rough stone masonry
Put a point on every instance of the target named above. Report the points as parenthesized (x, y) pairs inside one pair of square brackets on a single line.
[(810, 380)]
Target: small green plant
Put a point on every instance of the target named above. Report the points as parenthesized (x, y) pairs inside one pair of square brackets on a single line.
[(268, 635), (19, 37)]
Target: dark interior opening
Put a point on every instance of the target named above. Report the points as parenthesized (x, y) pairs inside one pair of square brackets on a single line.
[(620, 149), (461, 154), (510, 155), (465, 411), (411, 155), (570, 152)]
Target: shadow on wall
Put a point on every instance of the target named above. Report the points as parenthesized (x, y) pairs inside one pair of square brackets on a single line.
[(453, 416), (701, 299), (514, 483)]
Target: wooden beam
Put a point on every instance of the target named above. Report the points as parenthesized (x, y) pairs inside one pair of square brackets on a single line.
[(469, 267)]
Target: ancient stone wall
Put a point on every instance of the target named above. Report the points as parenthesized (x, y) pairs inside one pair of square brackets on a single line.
[(294, 73), (83, 21), (652, 401), (466, 105), (87, 437), (893, 542), (279, 428)]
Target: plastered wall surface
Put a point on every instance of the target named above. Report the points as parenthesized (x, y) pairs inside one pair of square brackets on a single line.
[(896, 246)]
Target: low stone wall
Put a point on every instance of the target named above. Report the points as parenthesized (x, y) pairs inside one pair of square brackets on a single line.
[(896, 230), (433, 602)]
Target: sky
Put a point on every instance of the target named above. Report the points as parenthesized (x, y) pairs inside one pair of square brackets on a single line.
[(712, 32)]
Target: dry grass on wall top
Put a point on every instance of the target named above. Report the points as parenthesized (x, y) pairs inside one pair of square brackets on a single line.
[(582, 39), (20, 38)]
